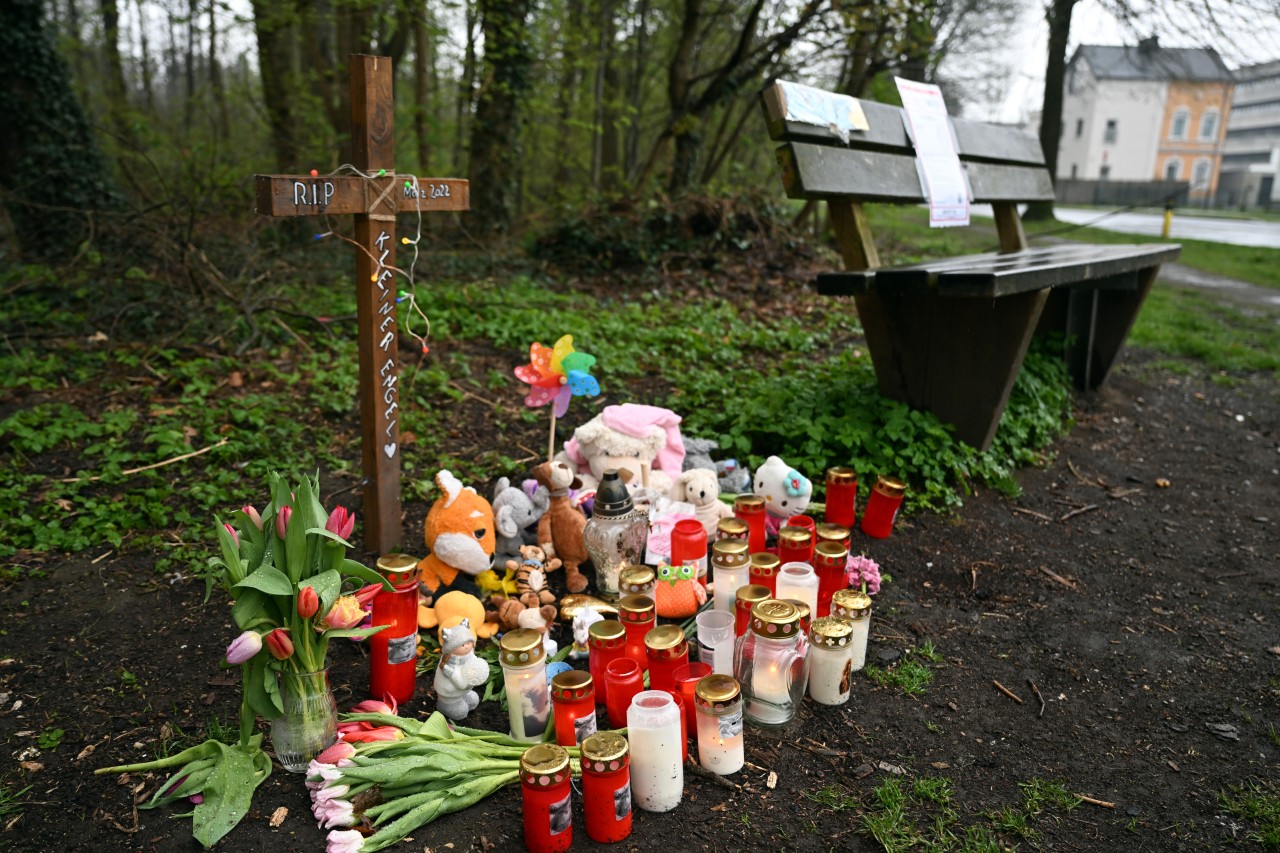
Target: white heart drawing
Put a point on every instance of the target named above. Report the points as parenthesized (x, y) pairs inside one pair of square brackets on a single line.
[(389, 449)]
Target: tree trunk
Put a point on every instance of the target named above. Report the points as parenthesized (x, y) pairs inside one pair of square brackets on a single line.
[(189, 65), (274, 35), (466, 90), (54, 175), (1058, 14), (215, 78), (148, 86), (423, 62), (566, 99), (116, 90), (684, 127), (610, 115), (635, 91), (500, 113)]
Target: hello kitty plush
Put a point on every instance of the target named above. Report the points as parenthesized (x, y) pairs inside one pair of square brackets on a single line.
[(785, 490), (459, 671)]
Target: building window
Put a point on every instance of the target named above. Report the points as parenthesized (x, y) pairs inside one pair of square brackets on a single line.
[(1178, 127), (1172, 167), (1109, 135), (1209, 125), (1104, 173), (1200, 175), (1079, 128)]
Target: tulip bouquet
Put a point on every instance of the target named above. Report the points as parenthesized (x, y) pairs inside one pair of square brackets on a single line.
[(286, 569)]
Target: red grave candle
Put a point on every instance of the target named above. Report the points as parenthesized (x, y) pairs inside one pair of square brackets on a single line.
[(393, 651), (573, 701), (624, 680), (829, 560), (606, 787), (795, 545), (882, 507), (666, 649), (828, 532), (637, 615), (746, 598), (689, 545), (678, 698), (547, 807), (687, 678), (606, 641), (842, 495), (732, 527), (750, 508), (764, 571)]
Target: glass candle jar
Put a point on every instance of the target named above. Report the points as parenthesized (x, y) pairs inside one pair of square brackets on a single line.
[(524, 674), (795, 544), (606, 641), (657, 774), (687, 678), (715, 640), (573, 703), (750, 508), (772, 664), (828, 532), (615, 534), (624, 680), (393, 651), (544, 789), (606, 787), (689, 546), (719, 715), (732, 527), (797, 580), (666, 649), (842, 496), (855, 605), (637, 615), (830, 660), (746, 598), (637, 579), (806, 615), (764, 571), (882, 507), (730, 569), (829, 560)]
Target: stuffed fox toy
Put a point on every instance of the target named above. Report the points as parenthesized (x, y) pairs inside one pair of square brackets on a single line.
[(459, 536)]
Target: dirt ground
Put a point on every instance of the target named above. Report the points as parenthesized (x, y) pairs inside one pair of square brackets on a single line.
[(1134, 582)]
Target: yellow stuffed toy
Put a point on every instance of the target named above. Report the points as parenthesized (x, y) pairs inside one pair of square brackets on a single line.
[(451, 608)]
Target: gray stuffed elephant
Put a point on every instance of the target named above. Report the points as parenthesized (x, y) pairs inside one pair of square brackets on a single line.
[(515, 518)]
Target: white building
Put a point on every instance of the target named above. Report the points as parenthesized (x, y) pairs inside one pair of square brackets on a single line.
[(1251, 152)]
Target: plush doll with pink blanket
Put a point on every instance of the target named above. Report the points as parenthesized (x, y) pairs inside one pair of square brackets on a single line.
[(644, 440)]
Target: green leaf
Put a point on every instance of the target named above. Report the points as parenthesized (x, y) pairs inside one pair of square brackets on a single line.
[(353, 632), (248, 606), (228, 792), (329, 534), (261, 690), (352, 569), (230, 555), (268, 579)]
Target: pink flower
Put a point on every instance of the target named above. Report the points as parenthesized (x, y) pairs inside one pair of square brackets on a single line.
[(336, 754), (325, 793), (333, 812), (282, 520), (235, 537), (864, 572), (381, 733), (374, 706), (244, 647), (279, 643), (341, 522), (308, 601), (196, 798), (343, 841), (253, 515), (345, 613)]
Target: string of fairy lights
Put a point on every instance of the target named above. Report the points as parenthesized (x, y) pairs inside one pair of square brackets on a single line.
[(402, 295)]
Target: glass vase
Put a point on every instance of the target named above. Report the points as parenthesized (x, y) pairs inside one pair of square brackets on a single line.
[(309, 723)]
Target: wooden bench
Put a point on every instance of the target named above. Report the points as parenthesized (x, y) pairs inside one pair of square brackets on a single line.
[(949, 336)]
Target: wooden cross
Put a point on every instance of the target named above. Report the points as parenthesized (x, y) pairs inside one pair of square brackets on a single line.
[(374, 200)]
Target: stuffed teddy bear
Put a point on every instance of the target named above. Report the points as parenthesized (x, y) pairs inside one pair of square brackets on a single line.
[(677, 594), (453, 607), (699, 486), (459, 535), (459, 671), (512, 614), (531, 576), (785, 490), (515, 518), (560, 528), (644, 440)]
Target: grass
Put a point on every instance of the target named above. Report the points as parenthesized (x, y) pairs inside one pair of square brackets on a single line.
[(908, 674), (1258, 803), (1193, 326), (11, 804)]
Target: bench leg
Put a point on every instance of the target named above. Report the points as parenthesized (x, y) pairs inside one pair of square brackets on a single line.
[(957, 358), (1096, 322)]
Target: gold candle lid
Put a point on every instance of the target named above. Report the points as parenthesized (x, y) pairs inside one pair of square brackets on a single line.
[(398, 568), (794, 536), (774, 619), (636, 608), (606, 629), (890, 487), (751, 593), (571, 685), (635, 578), (801, 608), (544, 765), (729, 553), (850, 603), (842, 475), (665, 638), (603, 752), (748, 503), (830, 554), (714, 693), (521, 647), (831, 632), (764, 563), (732, 527), (829, 531)]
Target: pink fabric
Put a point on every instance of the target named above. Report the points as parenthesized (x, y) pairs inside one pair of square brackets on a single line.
[(637, 420)]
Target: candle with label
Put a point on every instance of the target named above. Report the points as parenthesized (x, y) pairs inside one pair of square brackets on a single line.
[(547, 808), (855, 605), (842, 496), (573, 702), (393, 651), (524, 674), (657, 774), (606, 641), (720, 741), (606, 787), (730, 569), (830, 661)]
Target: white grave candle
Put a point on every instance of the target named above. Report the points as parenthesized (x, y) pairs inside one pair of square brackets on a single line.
[(653, 729)]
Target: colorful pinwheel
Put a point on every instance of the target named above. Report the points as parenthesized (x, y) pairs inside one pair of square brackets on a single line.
[(557, 374)]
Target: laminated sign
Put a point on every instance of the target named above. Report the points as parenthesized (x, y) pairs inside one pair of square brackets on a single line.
[(936, 155)]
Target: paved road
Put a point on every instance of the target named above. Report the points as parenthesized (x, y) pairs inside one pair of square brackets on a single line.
[(1238, 232)]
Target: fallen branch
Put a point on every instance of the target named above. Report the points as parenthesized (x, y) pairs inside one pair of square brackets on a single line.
[(1059, 578), (707, 776), (1006, 691), (129, 471), (1092, 801), (1081, 511), (1033, 513), (1036, 690)]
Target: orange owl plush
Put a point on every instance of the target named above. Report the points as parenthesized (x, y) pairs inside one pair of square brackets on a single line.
[(678, 595), (459, 535)]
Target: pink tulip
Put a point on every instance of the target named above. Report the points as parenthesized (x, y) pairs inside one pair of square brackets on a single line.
[(308, 602), (244, 647), (381, 733), (366, 594), (279, 644), (374, 706), (336, 754), (333, 813), (253, 515), (345, 613), (343, 841), (235, 537), (282, 520), (341, 522)]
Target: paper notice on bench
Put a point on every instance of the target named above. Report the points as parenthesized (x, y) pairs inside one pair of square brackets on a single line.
[(807, 105), (936, 152)]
